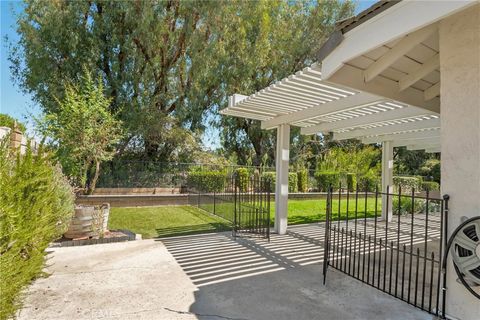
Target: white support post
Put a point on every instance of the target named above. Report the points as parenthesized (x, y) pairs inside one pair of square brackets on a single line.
[(281, 186), (387, 178)]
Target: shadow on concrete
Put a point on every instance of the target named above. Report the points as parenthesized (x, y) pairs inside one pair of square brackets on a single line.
[(280, 279), (192, 229)]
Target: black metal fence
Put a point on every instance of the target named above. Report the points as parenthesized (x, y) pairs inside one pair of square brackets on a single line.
[(244, 202), (401, 257), (154, 174)]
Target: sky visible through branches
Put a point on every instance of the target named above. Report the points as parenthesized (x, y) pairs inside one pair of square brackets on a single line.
[(20, 105)]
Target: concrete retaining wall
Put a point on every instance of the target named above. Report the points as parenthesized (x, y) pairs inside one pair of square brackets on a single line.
[(142, 200), (136, 191), (134, 200)]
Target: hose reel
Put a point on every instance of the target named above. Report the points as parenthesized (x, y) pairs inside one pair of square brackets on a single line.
[(464, 246)]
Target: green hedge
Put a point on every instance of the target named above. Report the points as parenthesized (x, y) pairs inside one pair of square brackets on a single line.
[(270, 179), (368, 182), (36, 204), (292, 182), (327, 179), (350, 181), (420, 206), (430, 186), (207, 181), (407, 183), (406, 205), (302, 178), (242, 175)]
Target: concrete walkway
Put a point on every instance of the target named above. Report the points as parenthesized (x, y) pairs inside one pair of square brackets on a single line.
[(203, 277)]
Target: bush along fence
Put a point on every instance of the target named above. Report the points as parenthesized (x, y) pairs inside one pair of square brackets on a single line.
[(36, 203), (243, 201), (150, 174), (153, 174)]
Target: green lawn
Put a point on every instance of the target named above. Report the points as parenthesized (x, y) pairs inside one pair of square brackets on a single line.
[(313, 210), (182, 220), (165, 221)]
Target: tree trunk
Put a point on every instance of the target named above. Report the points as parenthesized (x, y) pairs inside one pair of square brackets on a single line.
[(92, 185)]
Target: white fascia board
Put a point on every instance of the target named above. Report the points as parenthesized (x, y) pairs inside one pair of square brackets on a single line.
[(382, 116), (414, 125), (322, 109), (397, 21)]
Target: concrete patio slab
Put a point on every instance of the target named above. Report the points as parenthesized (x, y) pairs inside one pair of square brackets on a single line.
[(203, 277)]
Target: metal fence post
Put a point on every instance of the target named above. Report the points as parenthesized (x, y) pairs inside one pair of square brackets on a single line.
[(214, 196), (444, 263), (234, 208), (268, 213)]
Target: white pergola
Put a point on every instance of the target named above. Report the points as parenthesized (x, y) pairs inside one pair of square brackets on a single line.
[(318, 106), (381, 78)]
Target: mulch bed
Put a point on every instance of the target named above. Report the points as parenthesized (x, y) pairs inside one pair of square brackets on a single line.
[(109, 237)]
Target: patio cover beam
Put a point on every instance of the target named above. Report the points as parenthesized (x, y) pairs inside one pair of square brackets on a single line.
[(422, 146), (403, 136), (432, 92), (401, 48), (322, 109), (365, 120), (426, 68), (352, 77), (389, 129), (424, 142)]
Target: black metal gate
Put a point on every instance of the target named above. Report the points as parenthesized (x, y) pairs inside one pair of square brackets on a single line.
[(243, 201), (252, 207), (403, 256)]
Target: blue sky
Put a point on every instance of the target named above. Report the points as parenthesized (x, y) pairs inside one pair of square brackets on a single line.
[(20, 105)]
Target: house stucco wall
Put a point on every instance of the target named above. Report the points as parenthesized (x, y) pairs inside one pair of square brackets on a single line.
[(459, 39)]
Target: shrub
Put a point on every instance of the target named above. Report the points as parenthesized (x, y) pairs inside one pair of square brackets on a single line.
[(327, 179), (350, 181), (269, 179), (431, 169), (420, 205), (292, 182), (407, 183), (302, 177), (36, 204), (430, 186), (241, 176), (368, 182), (207, 181), (406, 205)]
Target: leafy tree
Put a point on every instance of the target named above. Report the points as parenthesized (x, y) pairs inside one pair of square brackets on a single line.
[(418, 162), (159, 61), (363, 161), (167, 65), (8, 121), (270, 40), (83, 131)]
